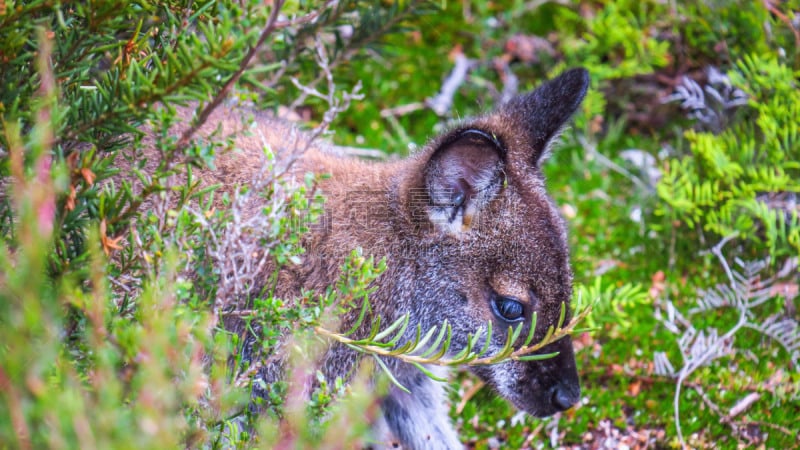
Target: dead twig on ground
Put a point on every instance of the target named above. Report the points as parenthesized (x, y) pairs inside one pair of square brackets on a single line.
[(442, 102)]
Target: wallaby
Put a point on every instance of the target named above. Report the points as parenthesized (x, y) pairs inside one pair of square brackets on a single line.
[(469, 235)]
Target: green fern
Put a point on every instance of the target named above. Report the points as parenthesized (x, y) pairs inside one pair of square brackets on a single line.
[(724, 185)]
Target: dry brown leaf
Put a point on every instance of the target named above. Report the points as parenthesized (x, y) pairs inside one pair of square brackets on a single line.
[(634, 388), (658, 284), (69, 204), (108, 243), (88, 175), (527, 48), (72, 160)]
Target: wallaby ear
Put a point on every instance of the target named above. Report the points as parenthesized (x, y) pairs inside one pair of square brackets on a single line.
[(461, 177), (543, 113)]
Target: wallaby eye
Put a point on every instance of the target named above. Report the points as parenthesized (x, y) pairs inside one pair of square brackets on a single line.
[(508, 308), (458, 199)]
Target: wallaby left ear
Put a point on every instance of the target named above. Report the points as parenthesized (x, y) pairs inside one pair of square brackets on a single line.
[(543, 113), (461, 177)]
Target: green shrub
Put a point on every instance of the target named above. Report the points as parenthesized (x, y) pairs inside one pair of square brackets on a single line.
[(110, 319)]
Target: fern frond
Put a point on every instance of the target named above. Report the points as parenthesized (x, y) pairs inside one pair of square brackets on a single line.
[(663, 367), (784, 331), (745, 291)]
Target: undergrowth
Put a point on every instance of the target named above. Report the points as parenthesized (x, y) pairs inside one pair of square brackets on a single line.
[(678, 179)]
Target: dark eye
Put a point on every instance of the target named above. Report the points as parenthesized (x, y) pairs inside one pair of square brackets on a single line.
[(508, 309)]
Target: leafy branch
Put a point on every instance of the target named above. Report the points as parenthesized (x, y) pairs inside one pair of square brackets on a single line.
[(425, 349)]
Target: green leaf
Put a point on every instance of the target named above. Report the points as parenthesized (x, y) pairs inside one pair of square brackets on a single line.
[(538, 357)]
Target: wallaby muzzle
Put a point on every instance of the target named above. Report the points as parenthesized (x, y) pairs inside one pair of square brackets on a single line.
[(540, 388)]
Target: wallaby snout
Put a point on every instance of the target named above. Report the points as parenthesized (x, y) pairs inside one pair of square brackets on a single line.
[(565, 395), (540, 388), (566, 391)]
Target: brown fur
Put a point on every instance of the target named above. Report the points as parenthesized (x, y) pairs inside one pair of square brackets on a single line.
[(461, 223)]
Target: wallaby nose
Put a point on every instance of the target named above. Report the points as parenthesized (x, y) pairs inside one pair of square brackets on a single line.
[(563, 397)]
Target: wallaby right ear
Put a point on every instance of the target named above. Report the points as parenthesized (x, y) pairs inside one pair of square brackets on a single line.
[(542, 114), (462, 175)]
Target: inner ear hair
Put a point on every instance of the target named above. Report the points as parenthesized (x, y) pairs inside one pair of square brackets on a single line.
[(461, 177)]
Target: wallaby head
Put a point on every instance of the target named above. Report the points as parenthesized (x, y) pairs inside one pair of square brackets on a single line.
[(470, 236), (490, 243)]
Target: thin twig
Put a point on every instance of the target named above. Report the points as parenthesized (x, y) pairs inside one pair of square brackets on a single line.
[(443, 101), (591, 148), (743, 404), (774, 426), (479, 384), (352, 47), (360, 152), (186, 136), (308, 18), (713, 406), (402, 110), (783, 18)]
